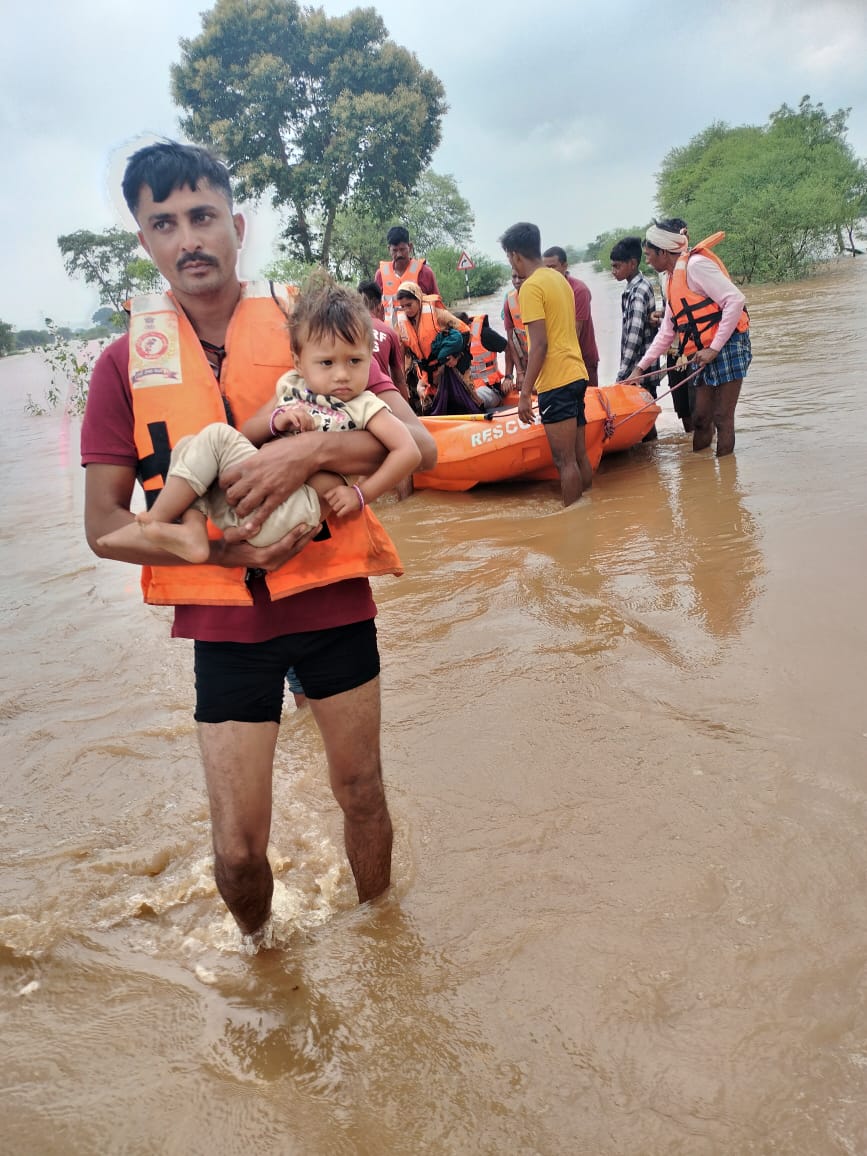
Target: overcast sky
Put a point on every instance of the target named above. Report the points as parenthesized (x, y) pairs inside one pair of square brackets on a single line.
[(561, 116)]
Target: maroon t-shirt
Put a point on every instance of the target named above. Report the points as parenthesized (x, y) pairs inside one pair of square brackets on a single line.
[(581, 293), (387, 356), (107, 438)]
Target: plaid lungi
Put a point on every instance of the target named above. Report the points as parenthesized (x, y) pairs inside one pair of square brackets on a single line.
[(732, 362)]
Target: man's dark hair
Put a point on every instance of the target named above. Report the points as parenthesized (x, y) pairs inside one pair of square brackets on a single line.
[(671, 224), (397, 235), (167, 166), (558, 252), (371, 292), (523, 239), (627, 249)]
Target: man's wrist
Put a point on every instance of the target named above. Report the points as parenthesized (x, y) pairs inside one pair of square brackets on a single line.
[(316, 445)]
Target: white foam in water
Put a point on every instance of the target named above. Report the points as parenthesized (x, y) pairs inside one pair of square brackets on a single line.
[(292, 909)]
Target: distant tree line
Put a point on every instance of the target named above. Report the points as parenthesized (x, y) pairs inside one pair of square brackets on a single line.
[(788, 194), (14, 340)]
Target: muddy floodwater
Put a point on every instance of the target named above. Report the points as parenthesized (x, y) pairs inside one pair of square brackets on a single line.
[(625, 751)]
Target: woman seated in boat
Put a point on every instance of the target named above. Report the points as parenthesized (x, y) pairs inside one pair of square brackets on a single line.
[(418, 321)]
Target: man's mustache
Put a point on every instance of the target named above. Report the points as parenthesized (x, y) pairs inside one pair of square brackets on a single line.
[(195, 259)]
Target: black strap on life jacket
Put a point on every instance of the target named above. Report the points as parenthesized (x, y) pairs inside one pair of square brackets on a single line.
[(690, 325), (155, 465)]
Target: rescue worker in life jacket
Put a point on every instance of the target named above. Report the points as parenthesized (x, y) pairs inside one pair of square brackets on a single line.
[(682, 396), (212, 349), (403, 266), (706, 311)]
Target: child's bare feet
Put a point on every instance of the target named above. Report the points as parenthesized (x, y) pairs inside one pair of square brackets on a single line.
[(181, 540), (128, 537)]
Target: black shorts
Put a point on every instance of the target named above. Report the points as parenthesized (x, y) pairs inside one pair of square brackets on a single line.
[(564, 403), (243, 681)]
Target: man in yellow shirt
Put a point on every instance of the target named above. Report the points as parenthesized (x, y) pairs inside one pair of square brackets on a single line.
[(555, 367)]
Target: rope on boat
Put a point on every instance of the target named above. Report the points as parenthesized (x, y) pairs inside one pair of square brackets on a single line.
[(653, 400)]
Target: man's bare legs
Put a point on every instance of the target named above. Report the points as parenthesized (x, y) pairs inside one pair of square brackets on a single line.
[(564, 442), (715, 409), (238, 759), (702, 418), (584, 466), (726, 398), (349, 724)]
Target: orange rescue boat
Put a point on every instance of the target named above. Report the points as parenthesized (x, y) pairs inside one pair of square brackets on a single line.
[(497, 447)]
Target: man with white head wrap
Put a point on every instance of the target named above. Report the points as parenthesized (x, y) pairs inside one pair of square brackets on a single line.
[(672, 241), (683, 399), (706, 312)]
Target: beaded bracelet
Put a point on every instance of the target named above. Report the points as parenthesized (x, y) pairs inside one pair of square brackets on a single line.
[(360, 496)]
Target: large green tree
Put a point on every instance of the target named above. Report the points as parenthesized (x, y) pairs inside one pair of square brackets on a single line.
[(787, 194), (7, 338), (109, 261), (321, 114)]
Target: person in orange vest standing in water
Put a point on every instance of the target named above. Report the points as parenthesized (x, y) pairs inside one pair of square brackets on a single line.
[(209, 350), (403, 266), (707, 314)]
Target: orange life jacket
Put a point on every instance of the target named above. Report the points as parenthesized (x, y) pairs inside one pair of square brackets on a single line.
[(484, 369), (419, 338), (392, 281), (175, 392), (517, 321), (696, 317)]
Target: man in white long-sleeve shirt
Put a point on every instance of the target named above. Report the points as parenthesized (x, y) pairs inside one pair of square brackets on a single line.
[(707, 314)]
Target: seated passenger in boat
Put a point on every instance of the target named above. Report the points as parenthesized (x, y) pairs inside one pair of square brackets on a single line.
[(483, 374), (418, 321)]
